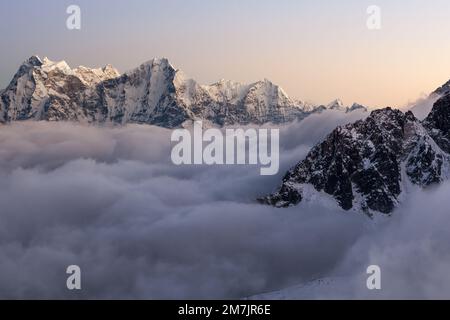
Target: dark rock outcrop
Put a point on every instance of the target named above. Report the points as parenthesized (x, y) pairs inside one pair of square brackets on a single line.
[(364, 165)]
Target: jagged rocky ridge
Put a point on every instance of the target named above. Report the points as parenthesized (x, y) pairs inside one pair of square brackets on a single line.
[(154, 93), (368, 164)]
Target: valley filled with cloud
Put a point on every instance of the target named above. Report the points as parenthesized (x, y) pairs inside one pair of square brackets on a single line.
[(110, 200)]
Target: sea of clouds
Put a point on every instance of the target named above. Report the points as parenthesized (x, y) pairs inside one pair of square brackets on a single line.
[(111, 201)]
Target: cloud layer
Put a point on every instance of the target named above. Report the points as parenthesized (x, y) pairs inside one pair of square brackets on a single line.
[(110, 201)]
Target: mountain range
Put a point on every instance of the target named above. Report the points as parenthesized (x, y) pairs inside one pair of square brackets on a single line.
[(367, 165), (154, 93)]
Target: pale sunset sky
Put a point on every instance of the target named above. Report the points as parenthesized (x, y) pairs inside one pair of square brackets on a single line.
[(315, 50)]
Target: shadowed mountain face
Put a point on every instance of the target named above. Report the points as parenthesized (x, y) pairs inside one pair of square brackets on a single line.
[(154, 93), (438, 123), (368, 164)]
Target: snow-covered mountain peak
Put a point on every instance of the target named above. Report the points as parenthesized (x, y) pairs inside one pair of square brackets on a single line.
[(270, 92), (227, 91), (336, 104), (443, 90), (34, 61), (423, 106), (158, 64), (91, 77), (49, 65), (356, 106), (110, 70)]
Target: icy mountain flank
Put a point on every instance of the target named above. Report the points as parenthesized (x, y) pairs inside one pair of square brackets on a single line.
[(367, 165), (154, 93)]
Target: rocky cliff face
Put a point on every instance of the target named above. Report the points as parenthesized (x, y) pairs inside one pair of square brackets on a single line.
[(368, 164), (154, 93), (438, 123)]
